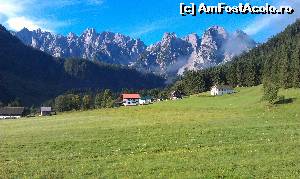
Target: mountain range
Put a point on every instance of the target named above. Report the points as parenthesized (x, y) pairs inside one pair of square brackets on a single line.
[(170, 56)]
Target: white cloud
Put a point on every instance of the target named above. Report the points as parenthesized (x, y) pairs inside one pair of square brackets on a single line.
[(261, 23), (275, 21), (18, 23), (10, 8), (16, 14)]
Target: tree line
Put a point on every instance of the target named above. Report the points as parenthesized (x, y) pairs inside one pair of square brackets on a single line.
[(79, 99), (84, 101)]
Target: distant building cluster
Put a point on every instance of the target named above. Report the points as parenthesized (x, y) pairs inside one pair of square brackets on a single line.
[(126, 99), (12, 112), (18, 112), (136, 99)]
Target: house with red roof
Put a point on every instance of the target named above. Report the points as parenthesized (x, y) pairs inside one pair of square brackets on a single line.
[(131, 99)]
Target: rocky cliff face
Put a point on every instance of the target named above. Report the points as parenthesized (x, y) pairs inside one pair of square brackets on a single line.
[(166, 56), (217, 47), (108, 47), (171, 56)]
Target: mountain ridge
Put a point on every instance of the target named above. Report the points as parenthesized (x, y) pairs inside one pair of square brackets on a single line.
[(171, 56)]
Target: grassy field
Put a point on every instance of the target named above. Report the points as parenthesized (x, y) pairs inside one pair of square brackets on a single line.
[(235, 136)]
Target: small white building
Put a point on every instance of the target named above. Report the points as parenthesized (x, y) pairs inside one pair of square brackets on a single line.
[(145, 100), (219, 90), (131, 99), (11, 112), (46, 111), (176, 95)]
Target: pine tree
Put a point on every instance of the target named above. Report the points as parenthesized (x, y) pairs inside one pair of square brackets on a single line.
[(296, 68), (231, 75), (239, 73), (107, 99), (87, 102), (270, 91), (250, 74), (284, 66), (217, 76), (75, 102), (98, 100), (60, 103)]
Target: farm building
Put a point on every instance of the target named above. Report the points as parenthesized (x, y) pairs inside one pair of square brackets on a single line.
[(12, 112), (46, 111), (176, 95), (131, 99), (218, 90), (145, 100)]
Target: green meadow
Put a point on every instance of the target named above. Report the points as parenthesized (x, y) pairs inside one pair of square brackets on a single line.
[(234, 136)]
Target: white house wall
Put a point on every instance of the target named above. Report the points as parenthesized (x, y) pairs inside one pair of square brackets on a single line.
[(10, 117), (217, 92), (130, 102)]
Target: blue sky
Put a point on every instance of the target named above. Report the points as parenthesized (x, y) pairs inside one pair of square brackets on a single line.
[(144, 19)]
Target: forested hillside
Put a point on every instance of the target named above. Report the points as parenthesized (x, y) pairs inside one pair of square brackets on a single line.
[(32, 76), (276, 60)]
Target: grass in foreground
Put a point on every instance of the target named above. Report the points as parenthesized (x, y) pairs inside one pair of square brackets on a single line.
[(201, 136)]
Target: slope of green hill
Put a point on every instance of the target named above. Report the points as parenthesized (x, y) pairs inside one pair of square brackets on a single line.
[(235, 136)]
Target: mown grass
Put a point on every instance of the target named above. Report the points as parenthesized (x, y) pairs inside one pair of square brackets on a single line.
[(235, 136)]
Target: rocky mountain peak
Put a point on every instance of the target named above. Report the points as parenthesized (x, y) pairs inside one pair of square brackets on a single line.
[(215, 34), (38, 31), (108, 37), (240, 33), (90, 31), (239, 42), (217, 29), (139, 42), (2, 28), (217, 47), (71, 35), (193, 39), (89, 35), (24, 30), (167, 37), (121, 39)]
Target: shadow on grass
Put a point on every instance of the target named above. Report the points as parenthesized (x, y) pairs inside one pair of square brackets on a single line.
[(285, 101)]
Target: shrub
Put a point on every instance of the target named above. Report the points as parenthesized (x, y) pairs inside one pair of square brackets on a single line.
[(270, 92)]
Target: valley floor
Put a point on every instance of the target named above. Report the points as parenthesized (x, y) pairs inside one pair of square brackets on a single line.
[(200, 136)]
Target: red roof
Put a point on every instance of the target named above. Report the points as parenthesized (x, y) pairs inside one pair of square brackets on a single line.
[(131, 96)]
